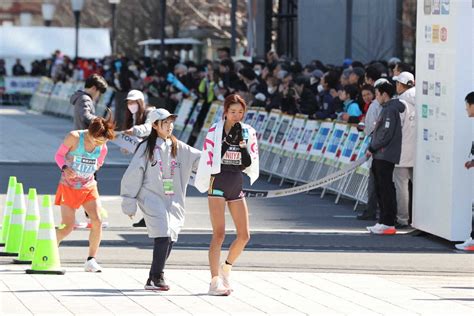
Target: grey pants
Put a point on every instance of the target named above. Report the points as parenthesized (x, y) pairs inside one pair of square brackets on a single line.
[(401, 177)]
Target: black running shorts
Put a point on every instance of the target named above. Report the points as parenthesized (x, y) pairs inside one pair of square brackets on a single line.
[(227, 185)]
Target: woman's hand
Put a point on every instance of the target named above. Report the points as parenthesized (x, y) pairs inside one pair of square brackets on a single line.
[(69, 173), (128, 131)]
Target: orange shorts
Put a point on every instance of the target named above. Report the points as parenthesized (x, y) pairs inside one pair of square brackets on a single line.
[(74, 198)]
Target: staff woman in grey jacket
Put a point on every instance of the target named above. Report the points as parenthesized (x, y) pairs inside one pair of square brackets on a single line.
[(137, 123), (156, 180)]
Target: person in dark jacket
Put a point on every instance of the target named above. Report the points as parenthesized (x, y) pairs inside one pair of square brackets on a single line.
[(83, 101), (385, 149), (306, 102)]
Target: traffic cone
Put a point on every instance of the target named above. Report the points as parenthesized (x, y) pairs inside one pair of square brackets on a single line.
[(30, 233), (7, 211), (46, 256), (17, 221)]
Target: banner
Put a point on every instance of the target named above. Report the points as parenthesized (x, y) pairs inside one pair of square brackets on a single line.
[(126, 142), (442, 201), (21, 85)]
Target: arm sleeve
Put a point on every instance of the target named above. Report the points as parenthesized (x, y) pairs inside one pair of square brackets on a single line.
[(60, 156), (246, 160), (142, 130), (103, 153)]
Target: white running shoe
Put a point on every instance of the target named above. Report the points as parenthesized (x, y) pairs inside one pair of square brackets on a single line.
[(217, 288), (381, 229), (468, 245), (224, 273), (92, 266)]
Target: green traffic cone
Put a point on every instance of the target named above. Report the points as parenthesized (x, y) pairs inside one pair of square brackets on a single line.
[(30, 233), (17, 221), (7, 211), (46, 256)]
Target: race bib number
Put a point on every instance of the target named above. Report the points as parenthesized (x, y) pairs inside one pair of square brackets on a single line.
[(232, 156), (84, 167)]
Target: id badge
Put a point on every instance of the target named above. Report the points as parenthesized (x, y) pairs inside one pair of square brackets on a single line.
[(168, 186)]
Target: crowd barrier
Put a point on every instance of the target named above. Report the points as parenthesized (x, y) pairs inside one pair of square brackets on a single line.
[(53, 98), (293, 148), (17, 90)]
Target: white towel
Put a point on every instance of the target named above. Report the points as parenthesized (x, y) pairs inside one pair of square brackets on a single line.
[(210, 162)]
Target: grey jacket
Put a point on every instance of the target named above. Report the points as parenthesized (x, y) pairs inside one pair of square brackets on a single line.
[(142, 185), (84, 109), (386, 143)]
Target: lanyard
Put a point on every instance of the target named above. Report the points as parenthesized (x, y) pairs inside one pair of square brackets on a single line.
[(160, 163), (173, 166)]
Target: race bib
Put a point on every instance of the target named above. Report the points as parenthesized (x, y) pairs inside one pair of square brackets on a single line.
[(84, 167), (232, 156), (168, 186)]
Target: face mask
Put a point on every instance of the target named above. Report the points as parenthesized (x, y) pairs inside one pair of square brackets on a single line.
[(106, 67), (132, 68), (220, 97), (143, 75), (257, 72), (133, 108), (320, 88)]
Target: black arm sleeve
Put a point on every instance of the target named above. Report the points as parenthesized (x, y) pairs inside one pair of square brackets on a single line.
[(246, 160)]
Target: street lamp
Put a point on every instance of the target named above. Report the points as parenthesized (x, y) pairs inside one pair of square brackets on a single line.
[(77, 8), (113, 5), (163, 15), (47, 9)]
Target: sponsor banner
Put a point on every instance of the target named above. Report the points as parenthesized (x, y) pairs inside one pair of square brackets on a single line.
[(183, 113), (320, 139), (294, 133), (444, 76), (304, 142), (21, 85), (348, 152)]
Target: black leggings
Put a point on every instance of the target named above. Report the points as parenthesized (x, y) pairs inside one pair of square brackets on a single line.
[(161, 252)]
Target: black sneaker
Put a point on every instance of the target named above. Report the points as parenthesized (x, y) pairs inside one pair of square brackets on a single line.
[(140, 223), (364, 216), (402, 226), (157, 283)]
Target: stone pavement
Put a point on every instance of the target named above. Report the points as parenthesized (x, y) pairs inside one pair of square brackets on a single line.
[(120, 292)]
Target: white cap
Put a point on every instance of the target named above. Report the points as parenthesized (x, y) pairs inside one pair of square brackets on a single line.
[(159, 115), (135, 95), (405, 78), (380, 81)]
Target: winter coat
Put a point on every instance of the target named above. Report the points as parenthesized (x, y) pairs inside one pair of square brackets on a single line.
[(386, 142), (408, 119), (142, 185)]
